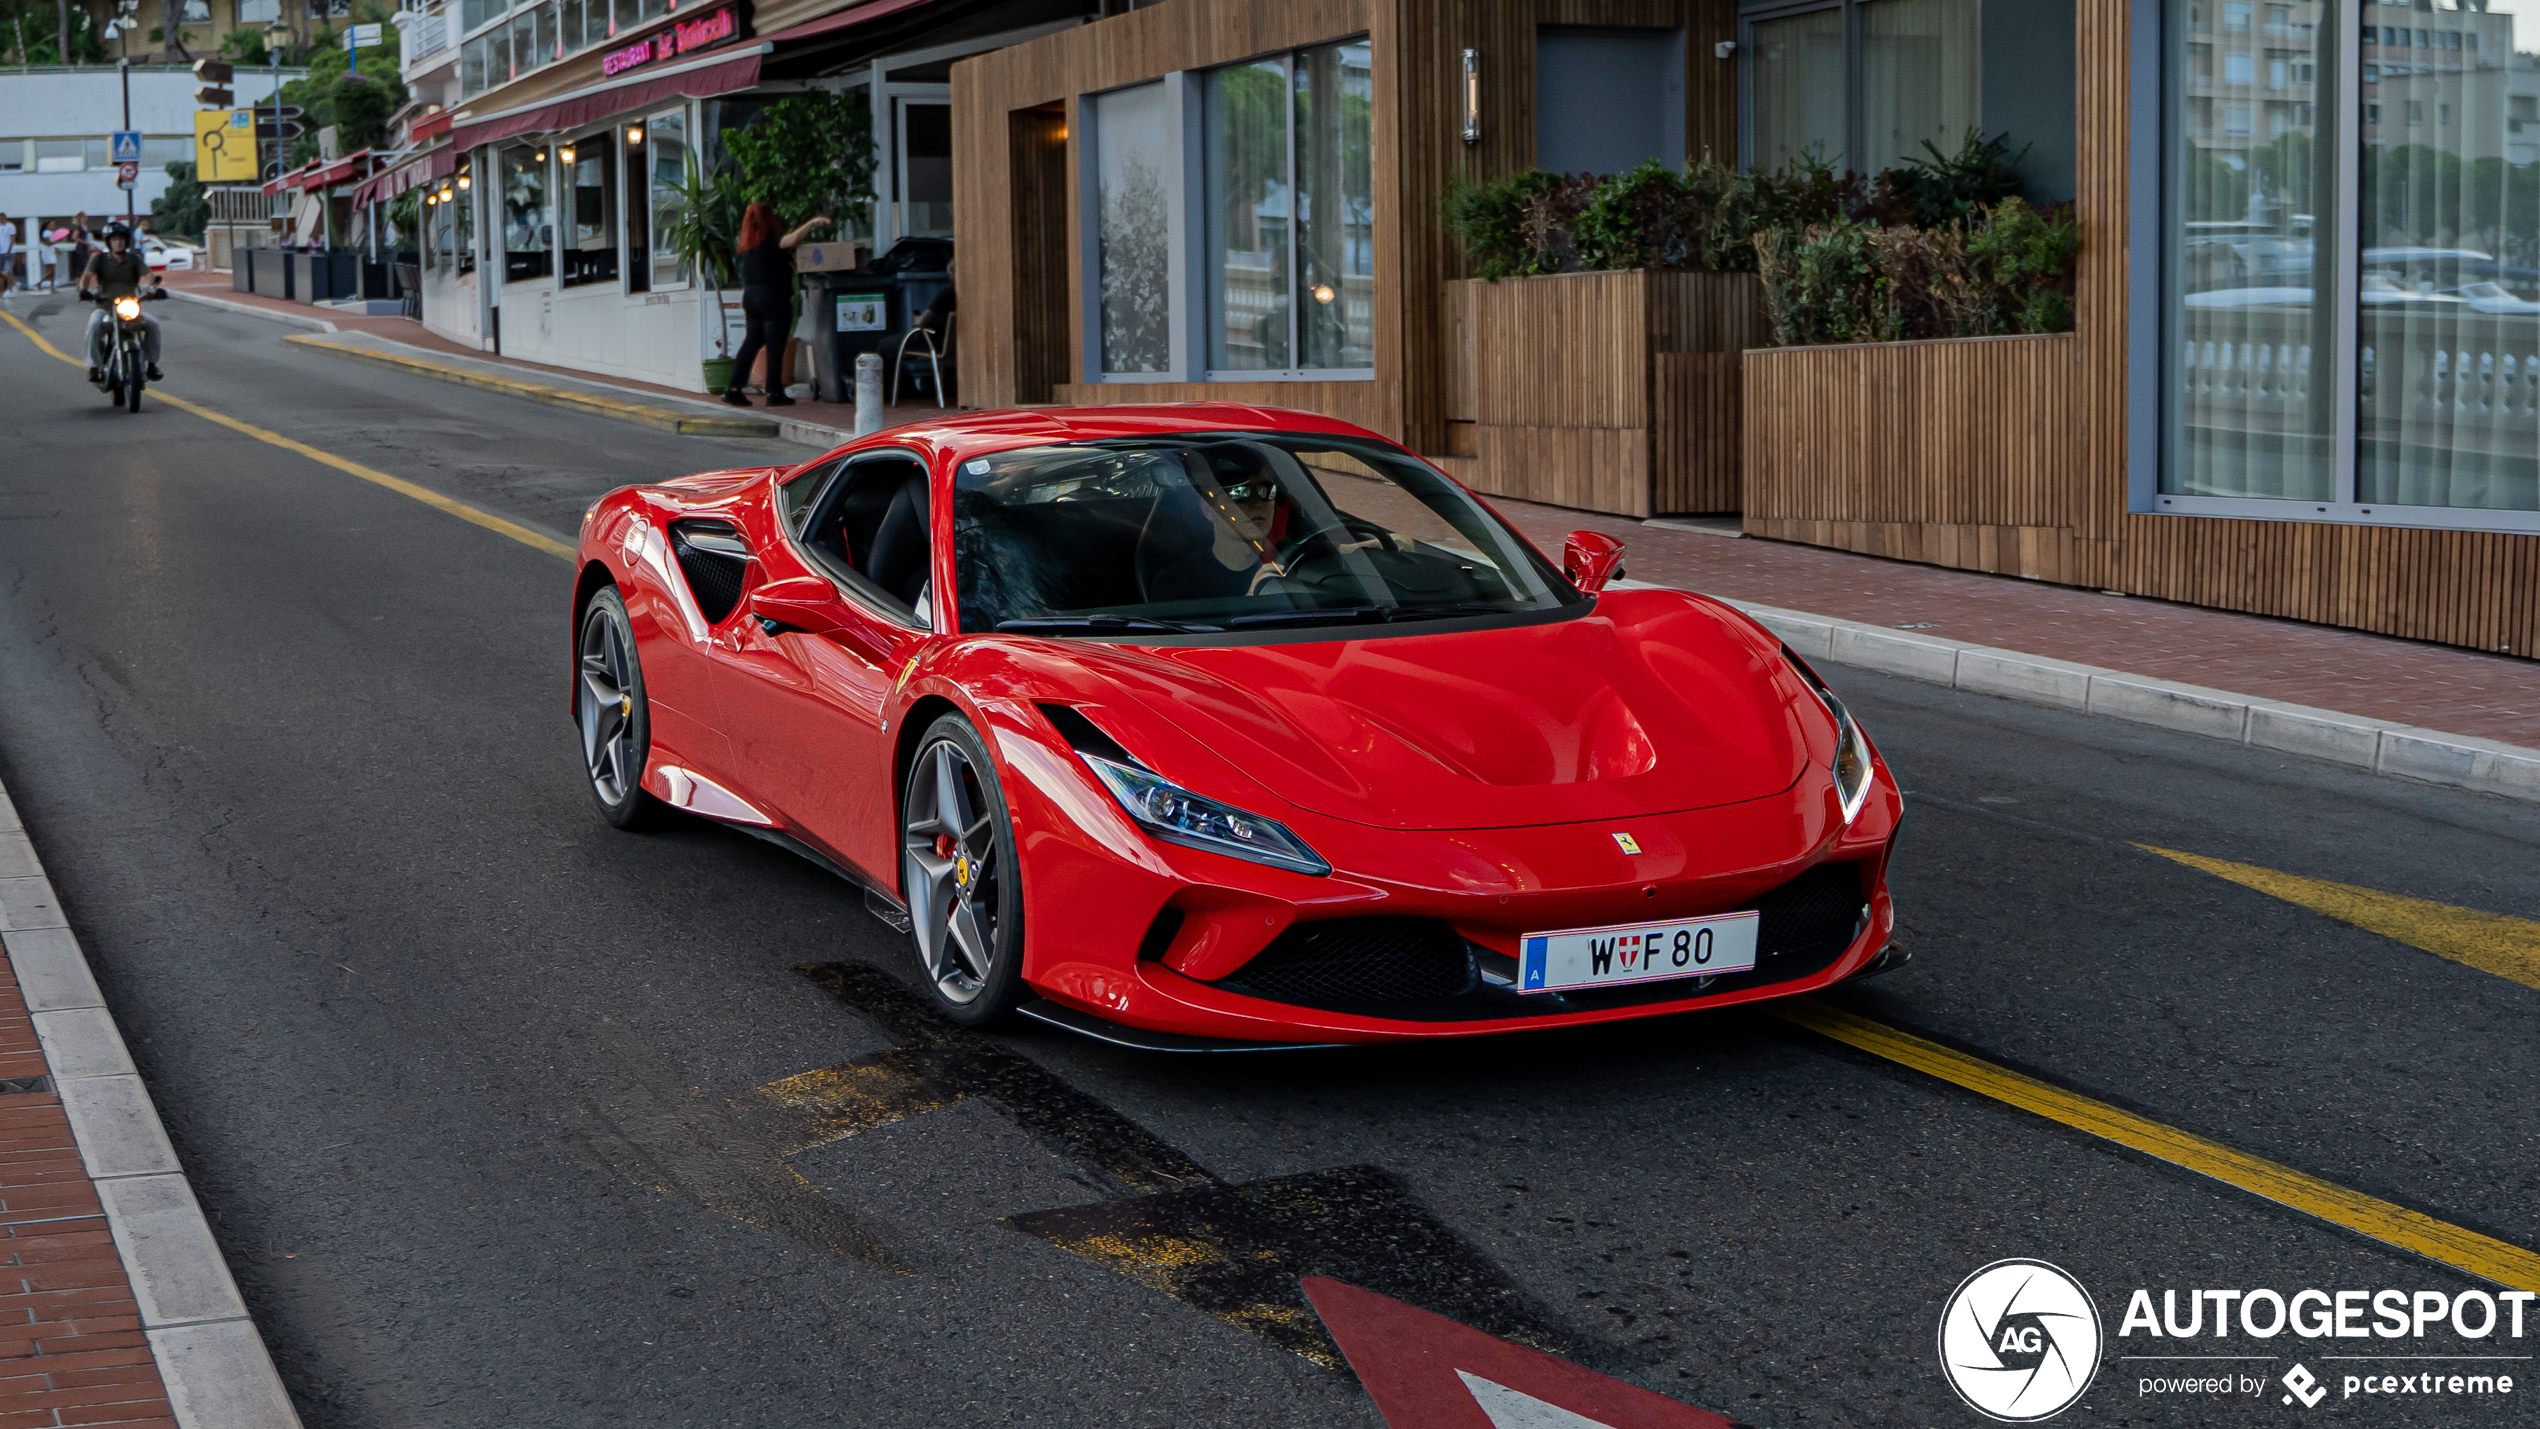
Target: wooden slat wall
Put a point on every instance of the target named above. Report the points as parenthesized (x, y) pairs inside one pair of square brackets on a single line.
[(1648, 357), (1435, 33), (1854, 448)]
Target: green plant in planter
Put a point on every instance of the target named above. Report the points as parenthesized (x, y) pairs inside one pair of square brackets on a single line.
[(2027, 256), (1637, 219), (1518, 226), (1821, 283), (701, 227)]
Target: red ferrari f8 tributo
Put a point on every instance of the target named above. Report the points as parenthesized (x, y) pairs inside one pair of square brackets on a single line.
[(1211, 725)]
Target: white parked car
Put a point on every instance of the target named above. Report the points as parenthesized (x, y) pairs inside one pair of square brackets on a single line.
[(170, 253)]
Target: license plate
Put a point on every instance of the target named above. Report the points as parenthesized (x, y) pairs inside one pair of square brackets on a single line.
[(1638, 952)]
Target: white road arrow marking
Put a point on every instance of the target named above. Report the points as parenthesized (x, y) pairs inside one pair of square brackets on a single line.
[(1515, 1409)]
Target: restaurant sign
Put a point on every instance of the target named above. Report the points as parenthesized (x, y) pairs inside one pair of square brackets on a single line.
[(707, 30)]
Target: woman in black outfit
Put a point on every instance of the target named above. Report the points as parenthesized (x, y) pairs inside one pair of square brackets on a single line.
[(767, 300)]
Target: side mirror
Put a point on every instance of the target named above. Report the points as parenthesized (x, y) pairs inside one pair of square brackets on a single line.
[(805, 603), (1590, 559)]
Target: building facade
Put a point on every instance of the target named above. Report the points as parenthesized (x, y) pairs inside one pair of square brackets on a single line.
[(564, 130), (2302, 380), (55, 123)]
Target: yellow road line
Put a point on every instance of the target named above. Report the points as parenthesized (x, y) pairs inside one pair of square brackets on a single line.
[(438, 502), (2489, 942), (2462, 1249)]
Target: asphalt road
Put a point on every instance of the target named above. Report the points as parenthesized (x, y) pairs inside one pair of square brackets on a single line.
[(464, 1078)]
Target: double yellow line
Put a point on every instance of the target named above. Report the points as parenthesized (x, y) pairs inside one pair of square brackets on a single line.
[(2456, 1246)]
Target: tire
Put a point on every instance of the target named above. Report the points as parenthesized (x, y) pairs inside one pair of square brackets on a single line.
[(958, 868), (132, 394), (114, 387), (611, 715)]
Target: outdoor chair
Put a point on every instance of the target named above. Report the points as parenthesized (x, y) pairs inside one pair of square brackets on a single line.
[(937, 349)]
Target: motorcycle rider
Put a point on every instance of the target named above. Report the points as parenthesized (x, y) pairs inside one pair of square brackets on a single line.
[(118, 272)]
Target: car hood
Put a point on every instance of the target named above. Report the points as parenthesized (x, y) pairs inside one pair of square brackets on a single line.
[(1654, 702)]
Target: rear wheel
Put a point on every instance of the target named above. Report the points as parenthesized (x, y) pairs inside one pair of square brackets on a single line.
[(965, 900), (610, 712)]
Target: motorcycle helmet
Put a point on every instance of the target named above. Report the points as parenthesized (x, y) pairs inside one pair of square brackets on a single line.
[(117, 230)]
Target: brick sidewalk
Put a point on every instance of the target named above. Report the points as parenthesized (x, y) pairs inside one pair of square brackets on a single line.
[(71, 1346), (2432, 687)]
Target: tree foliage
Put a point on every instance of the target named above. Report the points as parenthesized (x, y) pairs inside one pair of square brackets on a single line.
[(182, 211), (805, 155)]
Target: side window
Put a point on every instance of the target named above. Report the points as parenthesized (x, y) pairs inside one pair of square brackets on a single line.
[(795, 498), (872, 528)]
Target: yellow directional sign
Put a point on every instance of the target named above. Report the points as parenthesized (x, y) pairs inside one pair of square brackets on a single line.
[(224, 145)]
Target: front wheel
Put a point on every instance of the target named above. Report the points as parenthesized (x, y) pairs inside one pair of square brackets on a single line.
[(965, 898), (132, 392), (611, 713)]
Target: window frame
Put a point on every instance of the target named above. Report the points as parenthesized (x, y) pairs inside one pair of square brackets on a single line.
[(2148, 132), (1187, 245)]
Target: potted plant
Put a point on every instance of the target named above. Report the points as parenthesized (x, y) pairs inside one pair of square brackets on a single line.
[(702, 228)]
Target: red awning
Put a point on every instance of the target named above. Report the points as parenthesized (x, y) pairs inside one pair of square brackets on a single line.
[(739, 72), (844, 20), (422, 169), (436, 123), (292, 180)]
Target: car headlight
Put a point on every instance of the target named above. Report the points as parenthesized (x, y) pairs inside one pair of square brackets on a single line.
[(1176, 815), (127, 308), (1851, 751)]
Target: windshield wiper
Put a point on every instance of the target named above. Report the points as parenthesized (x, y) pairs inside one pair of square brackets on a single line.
[(1055, 624), (1363, 615)]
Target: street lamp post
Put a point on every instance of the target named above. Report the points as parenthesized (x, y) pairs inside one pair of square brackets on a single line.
[(124, 68)]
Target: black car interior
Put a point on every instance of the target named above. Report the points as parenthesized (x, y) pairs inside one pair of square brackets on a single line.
[(871, 526)]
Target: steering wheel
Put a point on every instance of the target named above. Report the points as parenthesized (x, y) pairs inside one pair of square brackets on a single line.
[(1354, 525)]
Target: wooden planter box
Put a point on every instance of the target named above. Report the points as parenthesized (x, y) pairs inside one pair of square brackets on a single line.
[(1614, 392), (1963, 452)]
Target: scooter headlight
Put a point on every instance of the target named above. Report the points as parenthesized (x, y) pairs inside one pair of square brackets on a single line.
[(127, 308)]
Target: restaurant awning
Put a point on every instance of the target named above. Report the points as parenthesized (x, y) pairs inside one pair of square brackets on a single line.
[(427, 167), (589, 106)]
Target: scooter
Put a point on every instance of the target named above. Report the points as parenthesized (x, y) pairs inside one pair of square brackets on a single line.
[(126, 370)]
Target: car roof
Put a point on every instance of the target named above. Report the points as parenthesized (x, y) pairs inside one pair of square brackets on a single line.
[(979, 433)]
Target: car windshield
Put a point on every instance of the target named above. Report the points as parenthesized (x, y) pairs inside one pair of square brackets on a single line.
[(1228, 532)]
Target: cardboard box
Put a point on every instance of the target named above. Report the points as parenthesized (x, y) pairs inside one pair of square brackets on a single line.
[(811, 257)]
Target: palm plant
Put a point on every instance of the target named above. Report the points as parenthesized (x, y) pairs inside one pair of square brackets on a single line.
[(702, 227)]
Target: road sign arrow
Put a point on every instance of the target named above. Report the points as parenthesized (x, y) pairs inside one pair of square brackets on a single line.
[(1427, 1372), (211, 71), (214, 97)]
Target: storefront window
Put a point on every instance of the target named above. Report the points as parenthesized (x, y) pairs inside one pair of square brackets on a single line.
[(466, 205), (1908, 77), (1918, 80), (1135, 143), (2448, 371), (1336, 210), (441, 221), (1248, 240), (528, 231), (666, 143), (2356, 347), (590, 247)]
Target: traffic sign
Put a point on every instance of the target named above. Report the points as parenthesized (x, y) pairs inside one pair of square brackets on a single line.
[(287, 129), (211, 71), (212, 96), (127, 175), (1427, 1372), (361, 37), (224, 146), (126, 145)]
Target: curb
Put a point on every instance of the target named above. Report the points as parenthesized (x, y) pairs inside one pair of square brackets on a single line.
[(251, 310), (2398, 751), (211, 1361), (658, 418)]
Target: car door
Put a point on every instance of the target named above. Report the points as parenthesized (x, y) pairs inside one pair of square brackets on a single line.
[(802, 703)]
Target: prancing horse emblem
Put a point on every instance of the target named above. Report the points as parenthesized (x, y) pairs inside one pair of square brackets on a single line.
[(1627, 843)]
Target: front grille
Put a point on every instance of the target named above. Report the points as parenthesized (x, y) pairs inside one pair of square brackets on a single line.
[(1414, 969), (1813, 915), (713, 578), (1359, 961)]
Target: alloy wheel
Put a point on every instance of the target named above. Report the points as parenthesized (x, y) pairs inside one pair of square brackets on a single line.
[(606, 707), (950, 849)]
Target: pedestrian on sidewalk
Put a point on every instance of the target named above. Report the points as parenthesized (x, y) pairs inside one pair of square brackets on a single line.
[(83, 243), (767, 300), (8, 250)]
